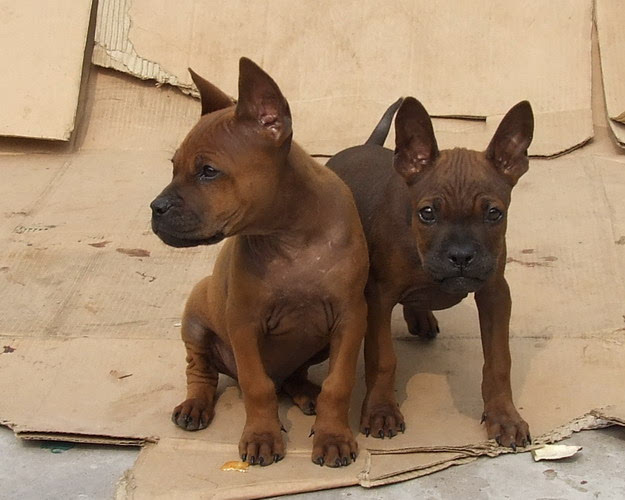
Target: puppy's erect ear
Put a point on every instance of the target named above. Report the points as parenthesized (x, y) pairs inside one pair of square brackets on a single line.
[(415, 143), (508, 147), (211, 97), (262, 103)]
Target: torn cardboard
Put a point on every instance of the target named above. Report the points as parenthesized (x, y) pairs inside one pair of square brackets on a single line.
[(93, 301), (43, 47), (92, 304), (345, 63), (610, 18)]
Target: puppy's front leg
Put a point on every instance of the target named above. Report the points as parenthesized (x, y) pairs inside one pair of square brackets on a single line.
[(334, 444), (502, 419), (261, 442)]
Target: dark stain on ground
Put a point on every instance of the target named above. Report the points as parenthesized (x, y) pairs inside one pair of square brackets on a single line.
[(550, 258), (7, 349), (99, 244), (134, 252), (527, 250), (4, 268), (620, 241)]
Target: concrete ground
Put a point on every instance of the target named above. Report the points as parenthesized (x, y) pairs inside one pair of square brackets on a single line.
[(44, 470)]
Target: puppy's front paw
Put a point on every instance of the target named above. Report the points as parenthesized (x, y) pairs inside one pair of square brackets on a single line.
[(381, 419), (334, 447), (193, 414), (505, 425), (261, 445)]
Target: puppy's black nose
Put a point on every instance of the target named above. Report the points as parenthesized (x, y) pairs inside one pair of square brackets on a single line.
[(160, 205), (461, 255)]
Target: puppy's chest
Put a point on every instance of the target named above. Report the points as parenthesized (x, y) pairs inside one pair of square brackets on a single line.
[(301, 292), (300, 313)]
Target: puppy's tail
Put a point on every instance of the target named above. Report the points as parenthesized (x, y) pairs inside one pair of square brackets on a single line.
[(378, 136)]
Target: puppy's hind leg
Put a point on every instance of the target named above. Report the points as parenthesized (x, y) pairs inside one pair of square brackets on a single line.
[(421, 322), (302, 391)]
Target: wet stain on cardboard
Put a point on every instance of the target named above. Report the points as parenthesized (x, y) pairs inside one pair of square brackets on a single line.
[(7, 349), (620, 241), (99, 244), (134, 252)]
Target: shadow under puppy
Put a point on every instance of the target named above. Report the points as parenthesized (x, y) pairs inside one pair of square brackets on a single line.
[(435, 223), (287, 289)]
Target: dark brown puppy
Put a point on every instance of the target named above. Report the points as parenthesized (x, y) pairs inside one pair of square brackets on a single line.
[(287, 289), (435, 225)]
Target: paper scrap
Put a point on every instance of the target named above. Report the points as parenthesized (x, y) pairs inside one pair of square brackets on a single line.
[(555, 452)]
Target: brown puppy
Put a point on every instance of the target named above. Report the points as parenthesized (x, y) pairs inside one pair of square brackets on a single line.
[(287, 289), (435, 225)]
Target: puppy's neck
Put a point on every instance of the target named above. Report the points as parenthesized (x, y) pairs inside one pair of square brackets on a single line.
[(292, 219)]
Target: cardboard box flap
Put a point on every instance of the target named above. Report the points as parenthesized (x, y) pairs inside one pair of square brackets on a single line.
[(341, 64), (43, 48), (610, 18)]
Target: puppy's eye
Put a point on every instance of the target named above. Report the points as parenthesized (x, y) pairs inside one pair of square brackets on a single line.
[(208, 172), (427, 215), (493, 215)]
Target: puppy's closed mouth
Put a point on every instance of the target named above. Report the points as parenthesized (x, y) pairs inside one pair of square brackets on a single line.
[(461, 284), (183, 242)]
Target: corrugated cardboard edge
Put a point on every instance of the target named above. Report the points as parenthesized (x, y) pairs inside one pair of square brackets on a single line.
[(595, 419), (28, 434), (609, 19), (365, 483), (113, 48)]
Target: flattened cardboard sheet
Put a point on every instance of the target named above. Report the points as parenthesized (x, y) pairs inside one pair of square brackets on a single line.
[(610, 17), (43, 47), (340, 64), (89, 325)]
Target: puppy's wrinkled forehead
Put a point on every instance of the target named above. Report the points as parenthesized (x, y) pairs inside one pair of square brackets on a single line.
[(212, 135), (460, 177)]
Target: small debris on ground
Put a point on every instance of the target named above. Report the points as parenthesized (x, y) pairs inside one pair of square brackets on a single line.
[(555, 452), (235, 466)]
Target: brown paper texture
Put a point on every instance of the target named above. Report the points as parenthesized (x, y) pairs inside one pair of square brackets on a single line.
[(610, 18), (43, 47), (341, 63), (92, 301)]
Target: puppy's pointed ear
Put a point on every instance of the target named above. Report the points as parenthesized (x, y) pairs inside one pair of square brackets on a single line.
[(261, 103), (211, 97), (508, 148), (415, 144)]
